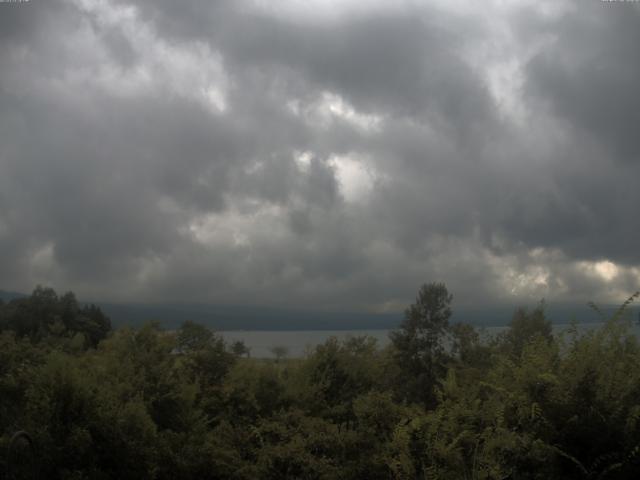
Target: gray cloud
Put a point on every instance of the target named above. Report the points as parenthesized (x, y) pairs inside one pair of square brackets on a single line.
[(229, 152)]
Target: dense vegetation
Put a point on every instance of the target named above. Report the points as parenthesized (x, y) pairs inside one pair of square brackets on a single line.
[(437, 403)]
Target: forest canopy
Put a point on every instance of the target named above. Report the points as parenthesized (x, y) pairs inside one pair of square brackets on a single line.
[(440, 402)]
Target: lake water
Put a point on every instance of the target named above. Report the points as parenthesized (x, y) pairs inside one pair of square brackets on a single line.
[(299, 342)]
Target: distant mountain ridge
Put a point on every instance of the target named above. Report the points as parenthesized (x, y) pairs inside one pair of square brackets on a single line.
[(235, 317), (8, 296), (242, 317)]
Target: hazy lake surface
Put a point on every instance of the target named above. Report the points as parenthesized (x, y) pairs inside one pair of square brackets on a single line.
[(299, 342)]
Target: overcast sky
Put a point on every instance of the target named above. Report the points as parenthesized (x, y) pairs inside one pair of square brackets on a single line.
[(320, 153)]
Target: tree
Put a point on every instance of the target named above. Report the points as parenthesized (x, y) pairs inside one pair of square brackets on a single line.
[(206, 353), (240, 349), (338, 372), (524, 327), (419, 343), (45, 315), (280, 352), (193, 336), (467, 346)]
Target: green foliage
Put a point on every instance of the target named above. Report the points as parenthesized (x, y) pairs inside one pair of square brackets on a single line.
[(254, 390), (239, 349), (150, 404), (204, 353), (58, 320), (419, 343), (524, 328), (337, 372)]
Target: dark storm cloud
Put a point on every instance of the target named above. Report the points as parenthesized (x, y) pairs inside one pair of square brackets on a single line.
[(587, 80), (231, 150), (590, 75), (400, 63)]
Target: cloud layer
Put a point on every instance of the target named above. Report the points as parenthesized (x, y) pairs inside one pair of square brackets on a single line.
[(320, 154)]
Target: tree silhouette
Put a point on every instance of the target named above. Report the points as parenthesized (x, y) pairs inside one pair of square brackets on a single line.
[(419, 347)]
